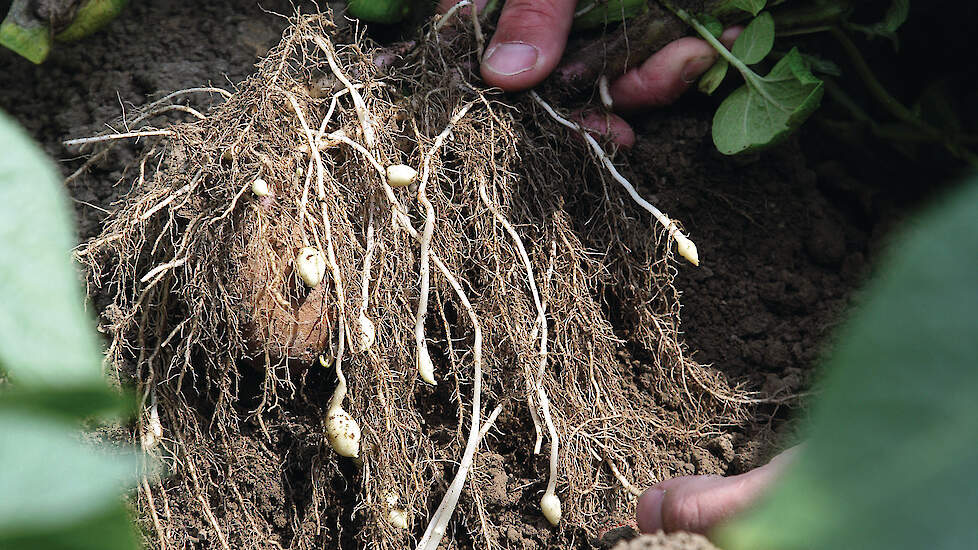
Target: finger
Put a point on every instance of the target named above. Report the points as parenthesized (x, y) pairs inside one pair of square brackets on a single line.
[(529, 40), (699, 503), (607, 125), (662, 78)]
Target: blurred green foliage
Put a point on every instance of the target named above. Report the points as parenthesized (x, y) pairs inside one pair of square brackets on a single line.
[(57, 490), (892, 454)]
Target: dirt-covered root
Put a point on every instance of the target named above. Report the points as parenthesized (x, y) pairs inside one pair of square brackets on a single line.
[(215, 326)]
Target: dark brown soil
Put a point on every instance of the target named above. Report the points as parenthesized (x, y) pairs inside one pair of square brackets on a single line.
[(783, 239)]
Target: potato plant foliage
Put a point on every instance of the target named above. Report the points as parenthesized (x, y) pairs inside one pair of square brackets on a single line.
[(56, 491)]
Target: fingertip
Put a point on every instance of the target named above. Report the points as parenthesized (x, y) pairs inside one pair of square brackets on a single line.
[(662, 78), (529, 41), (648, 511), (730, 34), (608, 125), (512, 66)]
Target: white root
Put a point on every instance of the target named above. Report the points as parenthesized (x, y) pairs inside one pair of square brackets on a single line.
[(152, 428), (480, 39), (425, 367), (361, 107), (684, 246), (443, 514), (111, 137), (367, 329), (340, 426), (605, 93), (632, 490), (438, 524), (550, 503)]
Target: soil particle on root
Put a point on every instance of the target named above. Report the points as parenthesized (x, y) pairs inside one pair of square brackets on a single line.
[(210, 320)]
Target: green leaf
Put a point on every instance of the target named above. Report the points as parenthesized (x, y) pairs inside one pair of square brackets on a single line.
[(50, 479), (46, 337), (756, 41), (712, 78), (110, 529), (896, 15), (821, 65), (23, 33), (91, 16), (765, 110), (752, 7), (70, 403), (592, 14), (712, 24), (892, 453)]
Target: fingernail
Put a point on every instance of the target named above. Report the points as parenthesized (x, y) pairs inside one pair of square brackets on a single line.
[(649, 510), (695, 67), (511, 58)]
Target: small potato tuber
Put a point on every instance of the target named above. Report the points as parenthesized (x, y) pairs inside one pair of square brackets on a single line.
[(342, 431), (311, 266), (401, 175), (550, 505), (260, 188)]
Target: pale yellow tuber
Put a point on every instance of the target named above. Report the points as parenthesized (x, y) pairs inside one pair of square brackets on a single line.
[(310, 265), (342, 431), (425, 367), (550, 505), (687, 249), (260, 188), (401, 175)]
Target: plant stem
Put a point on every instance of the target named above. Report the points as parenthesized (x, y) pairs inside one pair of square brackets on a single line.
[(803, 31), (752, 78), (874, 86)]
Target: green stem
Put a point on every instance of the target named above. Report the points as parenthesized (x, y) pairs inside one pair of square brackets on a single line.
[(712, 40), (752, 79), (893, 105), (809, 15), (876, 89), (803, 31)]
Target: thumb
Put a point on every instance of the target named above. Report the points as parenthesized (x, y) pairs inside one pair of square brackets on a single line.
[(528, 43)]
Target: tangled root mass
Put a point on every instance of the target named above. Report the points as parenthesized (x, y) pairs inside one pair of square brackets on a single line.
[(221, 336)]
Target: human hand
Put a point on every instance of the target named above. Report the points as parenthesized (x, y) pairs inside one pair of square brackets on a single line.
[(699, 503), (529, 42)]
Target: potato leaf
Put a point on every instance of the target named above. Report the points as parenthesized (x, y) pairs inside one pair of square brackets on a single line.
[(712, 78), (712, 24), (727, 7), (892, 454), (46, 338), (50, 479), (896, 15), (379, 11), (766, 109), (756, 41)]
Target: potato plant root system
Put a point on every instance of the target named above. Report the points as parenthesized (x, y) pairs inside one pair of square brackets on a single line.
[(192, 277)]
